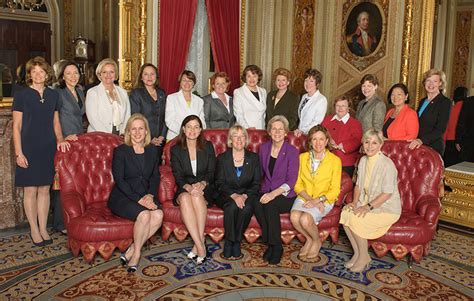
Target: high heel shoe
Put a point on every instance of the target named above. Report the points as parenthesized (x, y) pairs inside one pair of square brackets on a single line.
[(312, 256), (191, 255), (38, 244), (48, 241), (365, 268), (200, 260), (123, 258), (348, 265), (132, 268)]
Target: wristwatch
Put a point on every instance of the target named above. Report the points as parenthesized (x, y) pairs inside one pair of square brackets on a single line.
[(370, 206)]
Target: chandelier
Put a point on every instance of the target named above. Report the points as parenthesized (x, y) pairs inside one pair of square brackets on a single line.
[(30, 5)]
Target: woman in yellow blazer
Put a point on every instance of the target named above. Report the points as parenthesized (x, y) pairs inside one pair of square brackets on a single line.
[(318, 186)]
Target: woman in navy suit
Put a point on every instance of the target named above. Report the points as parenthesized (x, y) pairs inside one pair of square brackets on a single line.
[(238, 185), (433, 112), (193, 162), (134, 196), (279, 162)]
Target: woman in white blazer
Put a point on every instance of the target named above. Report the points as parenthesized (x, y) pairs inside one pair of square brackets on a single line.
[(313, 105), (107, 105), (183, 103), (250, 100)]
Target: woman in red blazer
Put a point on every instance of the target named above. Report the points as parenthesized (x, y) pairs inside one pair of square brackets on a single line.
[(346, 134), (401, 121)]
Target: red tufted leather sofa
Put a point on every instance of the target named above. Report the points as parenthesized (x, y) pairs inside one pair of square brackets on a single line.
[(85, 178), (419, 176), (172, 223)]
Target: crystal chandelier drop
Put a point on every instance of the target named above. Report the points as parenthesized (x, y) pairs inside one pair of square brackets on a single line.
[(30, 5)]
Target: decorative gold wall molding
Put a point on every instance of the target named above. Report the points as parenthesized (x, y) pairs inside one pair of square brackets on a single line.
[(462, 41), (67, 27), (243, 12), (142, 36), (406, 41), (303, 37), (426, 42), (417, 45), (105, 28), (132, 40)]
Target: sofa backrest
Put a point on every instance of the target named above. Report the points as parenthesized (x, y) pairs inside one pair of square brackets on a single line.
[(419, 172), (218, 138), (87, 167)]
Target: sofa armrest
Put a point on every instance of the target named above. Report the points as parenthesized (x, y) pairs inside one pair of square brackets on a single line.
[(73, 205), (167, 184), (429, 207), (346, 190)]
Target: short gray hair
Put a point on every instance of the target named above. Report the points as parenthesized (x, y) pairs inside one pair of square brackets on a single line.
[(280, 118)]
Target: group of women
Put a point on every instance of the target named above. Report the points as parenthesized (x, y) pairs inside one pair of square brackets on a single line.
[(280, 180), (276, 180), (242, 183)]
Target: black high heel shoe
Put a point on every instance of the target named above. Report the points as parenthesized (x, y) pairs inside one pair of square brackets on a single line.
[(123, 258), (132, 268), (38, 244), (48, 241)]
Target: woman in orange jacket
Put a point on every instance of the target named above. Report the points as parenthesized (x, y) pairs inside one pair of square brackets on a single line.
[(401, 121)]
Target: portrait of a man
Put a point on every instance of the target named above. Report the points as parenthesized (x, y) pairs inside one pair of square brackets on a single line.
[(363, 29)]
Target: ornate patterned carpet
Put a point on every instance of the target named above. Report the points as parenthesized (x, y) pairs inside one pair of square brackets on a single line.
[(51, 273)]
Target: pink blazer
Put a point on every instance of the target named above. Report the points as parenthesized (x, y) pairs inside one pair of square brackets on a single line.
[(405, 126)]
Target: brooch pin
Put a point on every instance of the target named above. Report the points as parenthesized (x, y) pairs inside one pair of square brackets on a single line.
[(42, 100)]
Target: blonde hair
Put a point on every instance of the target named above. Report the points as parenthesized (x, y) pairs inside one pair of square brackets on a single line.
[(442, 77), (373, 133), (233, 130), (107, 61), (137, 116), (280, 118)]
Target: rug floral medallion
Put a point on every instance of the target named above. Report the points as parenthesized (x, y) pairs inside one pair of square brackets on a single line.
[(165, 273)]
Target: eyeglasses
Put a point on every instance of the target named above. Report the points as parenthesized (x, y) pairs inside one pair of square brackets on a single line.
[(276, 130)]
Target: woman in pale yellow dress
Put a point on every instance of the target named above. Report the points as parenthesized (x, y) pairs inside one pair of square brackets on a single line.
[(376, 203)]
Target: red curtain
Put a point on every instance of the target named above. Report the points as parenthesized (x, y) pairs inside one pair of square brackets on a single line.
[(224, 17), (176, 30)]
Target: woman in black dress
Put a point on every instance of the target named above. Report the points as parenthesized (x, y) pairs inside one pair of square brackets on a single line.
[(134, 196), (36, 136), (238, 183), (148, 99), (193, 162)]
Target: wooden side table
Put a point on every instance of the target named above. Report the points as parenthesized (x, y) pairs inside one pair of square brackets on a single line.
[(458, 205)]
